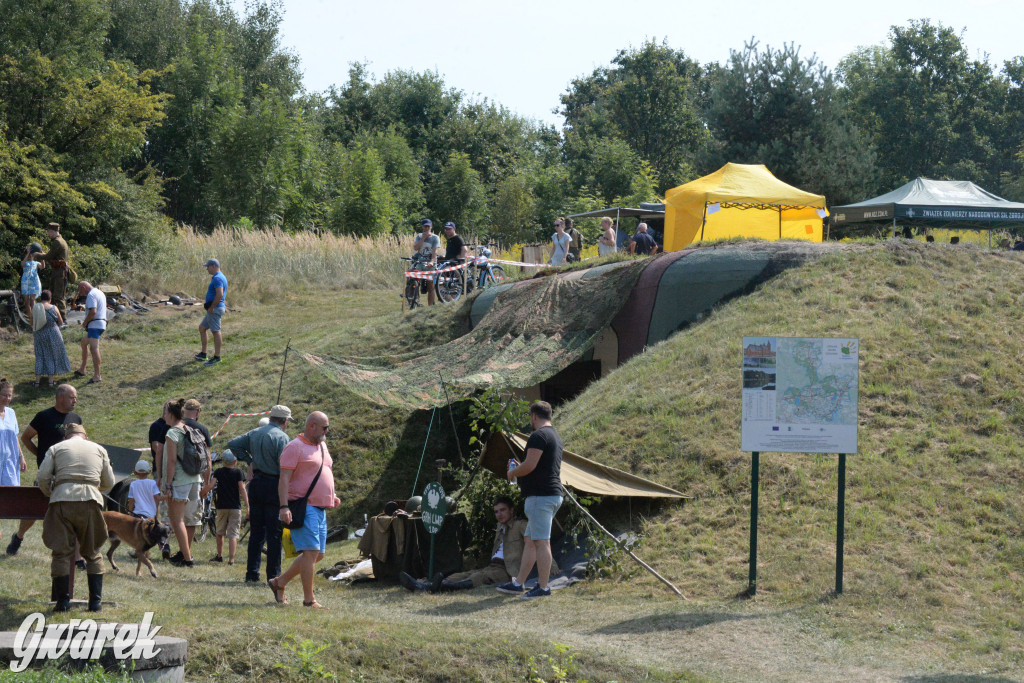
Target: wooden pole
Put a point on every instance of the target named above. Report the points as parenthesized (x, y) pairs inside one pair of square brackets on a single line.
[(280, 384), (623, 547)]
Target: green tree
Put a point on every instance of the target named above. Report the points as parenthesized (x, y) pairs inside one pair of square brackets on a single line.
[(513, 209), (361, 202), (925, 104), (457, 194), (648, 99), (401, 171), (779, 109)]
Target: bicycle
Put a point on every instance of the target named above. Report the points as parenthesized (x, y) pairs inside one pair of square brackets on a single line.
[(413, 285), (486, 274), (450, 286)]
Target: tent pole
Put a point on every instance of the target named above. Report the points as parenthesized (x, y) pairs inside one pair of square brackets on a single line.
[(621, 545), (780, 222), (618, 228), (704, 220)]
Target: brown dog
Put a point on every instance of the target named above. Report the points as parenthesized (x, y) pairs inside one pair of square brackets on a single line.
[(141, 534)]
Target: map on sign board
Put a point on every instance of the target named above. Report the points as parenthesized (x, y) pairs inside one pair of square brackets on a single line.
[(800, 394)]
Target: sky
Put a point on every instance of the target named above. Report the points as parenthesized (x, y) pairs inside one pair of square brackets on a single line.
[(525, 54)]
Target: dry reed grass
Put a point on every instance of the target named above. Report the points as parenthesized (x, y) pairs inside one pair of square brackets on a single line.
[(263, 264)]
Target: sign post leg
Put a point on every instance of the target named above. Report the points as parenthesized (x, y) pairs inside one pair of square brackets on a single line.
[(430, 572), (755, 466), (840, 523)]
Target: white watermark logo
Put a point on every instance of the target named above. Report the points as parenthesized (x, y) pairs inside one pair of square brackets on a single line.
[(82, 639)]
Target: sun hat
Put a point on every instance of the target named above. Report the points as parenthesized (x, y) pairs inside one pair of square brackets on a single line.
[(143, 466), (281, 411)]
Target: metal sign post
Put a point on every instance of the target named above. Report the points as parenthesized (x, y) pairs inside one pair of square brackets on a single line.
[(434, 507), (799, 396)]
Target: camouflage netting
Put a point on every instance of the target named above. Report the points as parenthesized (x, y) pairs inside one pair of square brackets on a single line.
[(531, 332)]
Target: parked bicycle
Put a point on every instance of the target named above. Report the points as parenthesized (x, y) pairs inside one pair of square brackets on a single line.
[(484, 273), (448, 286)]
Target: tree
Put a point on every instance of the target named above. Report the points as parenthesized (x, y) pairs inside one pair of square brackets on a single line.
[(361, 203), (926, 106), (513, 209), (647, 98), (401, 172), (457, 193), (776, 108)]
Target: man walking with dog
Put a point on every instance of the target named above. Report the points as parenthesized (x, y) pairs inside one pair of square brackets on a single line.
[(73, 475), (261, 448)]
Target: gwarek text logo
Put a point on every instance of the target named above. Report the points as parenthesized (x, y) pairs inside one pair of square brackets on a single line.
[(82, 639)]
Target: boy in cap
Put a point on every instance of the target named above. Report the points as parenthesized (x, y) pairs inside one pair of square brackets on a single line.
[(215, 305), (230, 493), (143, 494)]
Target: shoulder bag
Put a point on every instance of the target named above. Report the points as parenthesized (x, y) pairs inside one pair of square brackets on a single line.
[(298, 506)]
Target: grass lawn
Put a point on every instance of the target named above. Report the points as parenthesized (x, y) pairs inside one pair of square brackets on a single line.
[(934, 543)]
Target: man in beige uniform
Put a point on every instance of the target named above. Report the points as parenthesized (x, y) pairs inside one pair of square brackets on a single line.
[(73, 474), (57, 267)]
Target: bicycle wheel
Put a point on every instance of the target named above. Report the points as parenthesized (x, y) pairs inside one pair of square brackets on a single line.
[(494, 275), (204, 521), (211, 522), (412, 292), (449, 286), (20, 317)]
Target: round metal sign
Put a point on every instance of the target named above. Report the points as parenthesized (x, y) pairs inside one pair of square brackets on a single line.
[(434, 507)]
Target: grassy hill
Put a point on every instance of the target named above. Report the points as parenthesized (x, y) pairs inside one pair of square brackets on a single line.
[(935, 498)]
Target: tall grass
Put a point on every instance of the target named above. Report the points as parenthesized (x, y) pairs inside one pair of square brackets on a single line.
[(263, 264)]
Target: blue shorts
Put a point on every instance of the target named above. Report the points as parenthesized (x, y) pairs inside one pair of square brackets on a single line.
[(540, 510), (313, 534), (95, 332), (211, 320)]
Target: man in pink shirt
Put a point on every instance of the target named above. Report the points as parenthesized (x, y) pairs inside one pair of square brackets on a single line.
[(306, 473)]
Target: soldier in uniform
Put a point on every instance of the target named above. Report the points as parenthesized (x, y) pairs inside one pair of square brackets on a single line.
[(57, 267), (73, 475)]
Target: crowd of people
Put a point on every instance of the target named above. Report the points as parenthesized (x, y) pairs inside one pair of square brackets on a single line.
[(286, 477), (46, 310)]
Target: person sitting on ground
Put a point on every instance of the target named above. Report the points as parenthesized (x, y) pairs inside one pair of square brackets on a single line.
[(143, 493), (229, 497), (642, 243), (506, 554)]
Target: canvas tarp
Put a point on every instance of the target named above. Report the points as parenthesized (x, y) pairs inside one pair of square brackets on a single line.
[(534, 329), (958, 203), (741, 200), (577, 472)]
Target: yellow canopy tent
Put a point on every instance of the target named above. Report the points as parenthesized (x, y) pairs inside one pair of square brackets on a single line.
[(741, 200)]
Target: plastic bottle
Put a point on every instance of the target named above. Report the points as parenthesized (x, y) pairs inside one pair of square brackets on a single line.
[(512, 464)]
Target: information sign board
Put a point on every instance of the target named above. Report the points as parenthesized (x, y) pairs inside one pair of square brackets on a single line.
[(800, 394)]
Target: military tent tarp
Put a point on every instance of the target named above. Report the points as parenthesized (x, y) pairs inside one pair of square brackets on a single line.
[(578, 472), (952, 203), (741, 200)]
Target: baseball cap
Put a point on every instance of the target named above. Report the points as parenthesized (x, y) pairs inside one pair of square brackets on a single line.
[(143, 466), (425, 222), (212, 262), (228, 456), (193, 404), (73, 429), (449, 224), (281, 411)]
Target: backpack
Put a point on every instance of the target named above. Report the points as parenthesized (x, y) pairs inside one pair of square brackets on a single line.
[(195, 454)]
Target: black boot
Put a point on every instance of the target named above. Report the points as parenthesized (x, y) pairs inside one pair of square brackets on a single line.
[(60, 591), (456, 585), (12, 547), (95, 592), (410, 583)]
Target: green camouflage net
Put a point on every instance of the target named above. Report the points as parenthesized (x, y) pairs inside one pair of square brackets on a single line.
[(531, 332)]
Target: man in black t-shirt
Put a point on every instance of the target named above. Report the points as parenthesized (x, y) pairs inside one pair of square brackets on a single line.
[(157, 439), (540, 480), (47, 428), (454, 247)]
